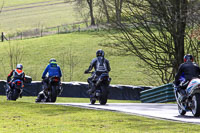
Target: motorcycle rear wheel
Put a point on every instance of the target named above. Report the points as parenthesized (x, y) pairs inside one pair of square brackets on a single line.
[(196, 105), (13, 95), (104, 96), (53, 94)]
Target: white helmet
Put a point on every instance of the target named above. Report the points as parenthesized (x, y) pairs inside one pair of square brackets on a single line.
[(19, 66)]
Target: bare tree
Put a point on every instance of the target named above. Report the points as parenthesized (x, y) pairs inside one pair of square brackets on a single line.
[(106, 10), (118, 10), (158, 32), (72, 62), (2, 5), (82, 10), (90, 4), (81, 4), (69, 59), (15, 54)]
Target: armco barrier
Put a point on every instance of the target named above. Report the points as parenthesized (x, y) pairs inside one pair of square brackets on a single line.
[(79, 89), (161, 94)]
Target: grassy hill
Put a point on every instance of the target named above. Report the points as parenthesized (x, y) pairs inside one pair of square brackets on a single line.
[(20, 15), (81, 47)]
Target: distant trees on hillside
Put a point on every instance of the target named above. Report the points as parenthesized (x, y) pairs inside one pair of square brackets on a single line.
[(159, 32), (100, 11)]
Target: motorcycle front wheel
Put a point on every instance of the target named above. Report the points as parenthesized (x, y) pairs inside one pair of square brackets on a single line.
[(196, 105)]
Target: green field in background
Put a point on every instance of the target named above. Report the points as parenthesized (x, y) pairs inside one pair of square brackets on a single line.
[(82, 46), (17, 16)]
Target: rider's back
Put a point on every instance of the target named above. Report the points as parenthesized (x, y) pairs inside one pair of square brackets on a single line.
[(190, 70)]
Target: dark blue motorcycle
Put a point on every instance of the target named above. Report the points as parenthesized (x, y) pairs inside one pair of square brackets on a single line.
[(14, 89), (101, 84)]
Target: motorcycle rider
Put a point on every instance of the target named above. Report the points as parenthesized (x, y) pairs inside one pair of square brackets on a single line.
[(100, 65), (18, 73), (186, 72), (53, 70)]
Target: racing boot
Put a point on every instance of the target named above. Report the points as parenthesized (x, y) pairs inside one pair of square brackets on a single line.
[(91, 90), (183, 95)]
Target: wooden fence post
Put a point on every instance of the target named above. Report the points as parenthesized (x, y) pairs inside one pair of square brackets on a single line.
[(2, 37), (21, 35), (41, 32), (58, 29)]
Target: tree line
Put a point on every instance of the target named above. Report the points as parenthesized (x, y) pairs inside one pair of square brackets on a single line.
[(159, 32)]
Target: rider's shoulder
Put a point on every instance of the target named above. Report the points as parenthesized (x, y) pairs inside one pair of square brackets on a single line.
[(94, 60), (106, 60)]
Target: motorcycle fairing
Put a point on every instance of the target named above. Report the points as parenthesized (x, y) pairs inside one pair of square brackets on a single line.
[(194, 83)]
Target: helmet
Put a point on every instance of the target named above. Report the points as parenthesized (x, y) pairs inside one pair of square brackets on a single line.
[(52, 60), (188, 57), (100, 53), (19, 66)]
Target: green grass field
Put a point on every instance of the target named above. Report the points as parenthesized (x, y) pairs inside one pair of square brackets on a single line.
[(82, 46), (20, 15), (24, 116)]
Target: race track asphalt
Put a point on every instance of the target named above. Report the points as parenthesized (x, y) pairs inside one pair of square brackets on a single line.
[(152, 110)]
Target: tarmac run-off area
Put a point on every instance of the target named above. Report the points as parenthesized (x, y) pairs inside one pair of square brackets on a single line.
[(152, 110)]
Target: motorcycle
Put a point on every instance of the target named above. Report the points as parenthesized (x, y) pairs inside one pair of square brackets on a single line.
[(101, 85), (192, 102), (53, 90), (14, 89)]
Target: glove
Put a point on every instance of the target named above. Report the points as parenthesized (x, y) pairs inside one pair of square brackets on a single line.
[(86, 71)]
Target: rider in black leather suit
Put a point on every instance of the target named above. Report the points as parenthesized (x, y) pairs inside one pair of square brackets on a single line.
[(100, 65), (186, 72)]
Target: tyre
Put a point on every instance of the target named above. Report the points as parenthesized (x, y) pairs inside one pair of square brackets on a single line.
[(181, 111), (104, 96), (14, 95), (196, 105), (92, 100), (39, 98), (53, 94)]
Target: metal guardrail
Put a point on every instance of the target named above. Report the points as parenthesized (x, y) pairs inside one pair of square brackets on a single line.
[(161, 94)]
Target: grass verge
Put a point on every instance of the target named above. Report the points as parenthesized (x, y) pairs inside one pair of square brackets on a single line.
[(25, 117)]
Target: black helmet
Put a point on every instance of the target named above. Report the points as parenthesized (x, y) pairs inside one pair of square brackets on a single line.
[(52, 60), (188, 57), (100, 53)]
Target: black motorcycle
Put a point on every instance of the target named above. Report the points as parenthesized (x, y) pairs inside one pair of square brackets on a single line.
[(14, 89), (101, 84), (53, 90)]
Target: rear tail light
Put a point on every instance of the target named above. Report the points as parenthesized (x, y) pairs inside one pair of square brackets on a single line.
[(55, 79), (19, 82)]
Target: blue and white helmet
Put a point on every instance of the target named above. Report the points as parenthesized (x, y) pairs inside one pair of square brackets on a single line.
[(19, 66)]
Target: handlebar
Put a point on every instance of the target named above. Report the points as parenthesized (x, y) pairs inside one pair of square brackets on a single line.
[(88, 72)]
